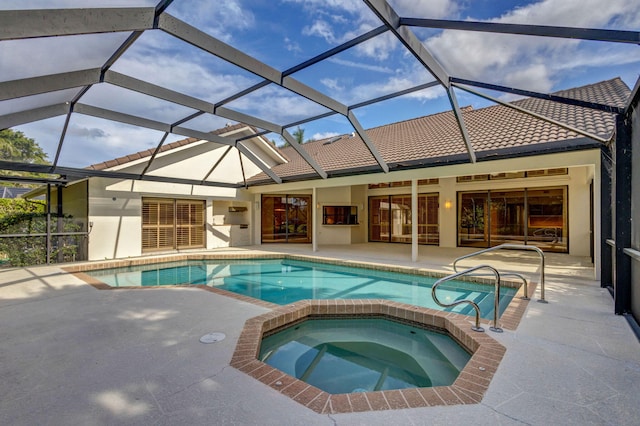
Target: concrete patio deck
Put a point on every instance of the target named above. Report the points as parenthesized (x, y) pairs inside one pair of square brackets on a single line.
[(74, 355)]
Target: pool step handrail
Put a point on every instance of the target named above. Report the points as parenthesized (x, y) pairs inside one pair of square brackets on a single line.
[(513, 247), (496, 303), (508, 274)]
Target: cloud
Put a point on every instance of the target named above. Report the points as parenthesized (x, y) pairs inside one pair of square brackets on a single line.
[(351, 89), (292, 46), (277, 105), (535, 63), (321, 29), (361, 65), (348, 6), (323, 135), (221, 19), (378, 48), (184, 75), (434, 9), (331, 15), (87, 132), (332, 84), (396, 84)]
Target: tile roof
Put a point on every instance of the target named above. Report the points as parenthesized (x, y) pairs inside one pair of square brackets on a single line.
[(436, 138)]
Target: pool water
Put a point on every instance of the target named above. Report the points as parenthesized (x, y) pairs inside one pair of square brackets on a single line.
[(364, 355), (283, 281)]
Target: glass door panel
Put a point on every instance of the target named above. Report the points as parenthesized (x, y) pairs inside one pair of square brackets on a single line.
[(401, 219), (268, 223), (547, 225), (298, 219), (507, 219), (379, 218), (286, 219), (428, 228), (472, 220)]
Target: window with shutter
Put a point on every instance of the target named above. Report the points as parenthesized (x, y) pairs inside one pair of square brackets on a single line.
[(190, 223), (169, 224)]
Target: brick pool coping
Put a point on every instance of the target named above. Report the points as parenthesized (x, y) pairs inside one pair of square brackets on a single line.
[(468, 388), (510, 318)]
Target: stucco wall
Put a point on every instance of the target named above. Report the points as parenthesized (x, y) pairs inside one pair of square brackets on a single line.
[(115, 208), (584, 166), (116, 217), (74, 201), (333, 234), (359, 234), (579, 217)]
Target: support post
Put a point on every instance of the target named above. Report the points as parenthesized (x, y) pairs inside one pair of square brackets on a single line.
[(414, 220), (314, 219), (622, 214), (59, 225), (48, 225), (606, 226)]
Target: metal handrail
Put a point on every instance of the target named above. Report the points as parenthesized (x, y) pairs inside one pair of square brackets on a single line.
[(513, 247), (510, 274), (496, 302)]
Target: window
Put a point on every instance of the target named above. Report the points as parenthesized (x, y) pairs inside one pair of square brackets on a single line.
[(390, 218), (169, 224), (339, 215), (519, 216), (548, 172), (514, 175), (286, 219), (430, 181)]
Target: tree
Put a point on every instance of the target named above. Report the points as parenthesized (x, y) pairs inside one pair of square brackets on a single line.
[(299, 135), (15, 146)]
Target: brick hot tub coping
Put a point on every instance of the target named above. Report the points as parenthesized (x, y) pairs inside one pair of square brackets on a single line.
[(468, 388)]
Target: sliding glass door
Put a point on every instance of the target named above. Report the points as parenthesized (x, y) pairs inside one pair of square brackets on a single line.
[(286, 219), (519, 216), (507, 221), (391, 219), (472, 217)]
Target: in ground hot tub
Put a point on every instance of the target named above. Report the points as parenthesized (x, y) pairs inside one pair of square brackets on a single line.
[(394, 375), (344, 355)]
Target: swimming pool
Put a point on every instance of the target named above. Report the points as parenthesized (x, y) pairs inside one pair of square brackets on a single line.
[(364, 355), (283, 281)]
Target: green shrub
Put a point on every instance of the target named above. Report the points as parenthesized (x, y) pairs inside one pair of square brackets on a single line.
[(9, 206), (28, 218)]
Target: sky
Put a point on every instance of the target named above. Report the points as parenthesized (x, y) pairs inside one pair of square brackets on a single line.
[(284, 33)]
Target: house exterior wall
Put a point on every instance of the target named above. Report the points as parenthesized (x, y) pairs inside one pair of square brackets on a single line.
[(117, 221), (333, 234), (74, 201), (115, 206), (584, 168), (115, 209), (359, 234)]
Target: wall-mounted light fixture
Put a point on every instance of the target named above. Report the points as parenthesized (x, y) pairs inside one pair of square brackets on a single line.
[(447, 204)]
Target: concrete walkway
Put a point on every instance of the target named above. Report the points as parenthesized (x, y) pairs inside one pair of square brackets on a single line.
[(74, 355)]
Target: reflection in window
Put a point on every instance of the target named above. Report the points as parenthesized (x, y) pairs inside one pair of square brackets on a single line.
[(390, 218), (524, 216), (339, 215), (286, 219), (430, 181), (547, 219)]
